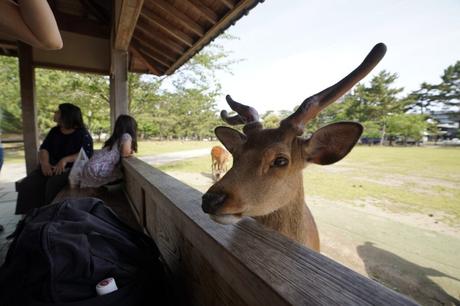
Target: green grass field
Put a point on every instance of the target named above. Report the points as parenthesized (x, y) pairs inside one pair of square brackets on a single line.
[(398, 179)]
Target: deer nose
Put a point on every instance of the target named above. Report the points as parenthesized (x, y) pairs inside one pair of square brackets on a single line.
[(212, 201)]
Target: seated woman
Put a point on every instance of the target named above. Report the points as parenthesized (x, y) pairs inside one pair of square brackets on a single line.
[(104, 166), (56, 156)]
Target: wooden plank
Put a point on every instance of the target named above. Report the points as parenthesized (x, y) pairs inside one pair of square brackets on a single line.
[(28, 105), (147, 31), (79, 25), (127, 20), (144, 44), (179, 17), (163, 64), (248, 263), (39, 64), (166, 26), (228, 3), (207, 13), (144, 59), (243, 6)]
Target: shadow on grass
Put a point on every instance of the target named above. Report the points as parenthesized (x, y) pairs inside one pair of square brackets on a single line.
[(404, 276), (208, 175)]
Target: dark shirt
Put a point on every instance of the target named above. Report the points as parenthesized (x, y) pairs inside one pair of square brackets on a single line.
[(60, 145)]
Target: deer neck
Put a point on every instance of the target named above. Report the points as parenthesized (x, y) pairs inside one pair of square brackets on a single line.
[(295, 221)]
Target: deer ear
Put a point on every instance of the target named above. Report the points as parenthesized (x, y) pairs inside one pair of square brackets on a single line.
[(230, 138), (331, 143)]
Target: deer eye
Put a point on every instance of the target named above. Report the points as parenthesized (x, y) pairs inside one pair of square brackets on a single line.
[(279, 162)]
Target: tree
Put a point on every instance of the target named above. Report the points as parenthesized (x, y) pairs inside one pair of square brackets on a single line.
[(10, 106), (270, 119), (375, 102), (407, 126), (445, 94)]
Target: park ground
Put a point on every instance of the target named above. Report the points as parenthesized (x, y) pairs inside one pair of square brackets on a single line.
[(392, 214)]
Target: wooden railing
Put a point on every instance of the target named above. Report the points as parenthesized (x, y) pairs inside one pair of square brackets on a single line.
[(243, 264)]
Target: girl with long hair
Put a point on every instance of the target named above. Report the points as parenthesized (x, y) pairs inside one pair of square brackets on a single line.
[(104, 166)]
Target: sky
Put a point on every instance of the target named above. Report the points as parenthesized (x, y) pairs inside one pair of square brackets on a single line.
[(292, 49)]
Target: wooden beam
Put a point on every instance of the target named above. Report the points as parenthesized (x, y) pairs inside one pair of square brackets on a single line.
[(153, 55), (97, 10), (28, 105), (127, 20), (164, 65), (213, 32), (153, 49), (79, 25), (7, 44), (173, 46), (207, 13), (146, 62), (228, 3), (179, 17), (158, 21), (118, 85), (38, 64)]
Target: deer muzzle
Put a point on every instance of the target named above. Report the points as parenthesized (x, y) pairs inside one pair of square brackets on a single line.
[(211, 202)]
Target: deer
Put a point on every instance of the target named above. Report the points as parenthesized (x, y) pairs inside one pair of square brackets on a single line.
[(265, 181), (219, 160)]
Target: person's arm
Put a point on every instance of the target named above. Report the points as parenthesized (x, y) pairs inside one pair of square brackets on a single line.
[(31, 21), (60, 166), (44, 159), (126, 149)]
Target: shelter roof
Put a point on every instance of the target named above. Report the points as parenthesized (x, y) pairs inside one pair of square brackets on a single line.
[(160, 35)]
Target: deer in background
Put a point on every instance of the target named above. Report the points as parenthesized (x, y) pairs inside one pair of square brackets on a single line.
[(219, 160), (265, 181)]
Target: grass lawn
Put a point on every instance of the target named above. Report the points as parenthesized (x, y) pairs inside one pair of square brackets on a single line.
[(398, 179), (160, 147)]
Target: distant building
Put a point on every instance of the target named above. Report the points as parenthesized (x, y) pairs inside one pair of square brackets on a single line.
[(449, 128)]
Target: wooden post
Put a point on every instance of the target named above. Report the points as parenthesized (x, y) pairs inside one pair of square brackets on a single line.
[(118, 72), (29, 108), (118, 85)]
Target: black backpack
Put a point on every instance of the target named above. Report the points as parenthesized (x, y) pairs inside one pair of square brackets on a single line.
[(61, 251)]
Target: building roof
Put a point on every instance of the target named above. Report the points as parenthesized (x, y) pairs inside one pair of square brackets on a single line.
[(160, 35)]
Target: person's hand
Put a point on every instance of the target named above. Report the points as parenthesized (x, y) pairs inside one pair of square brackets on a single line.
[(60, 166), (47, 169)]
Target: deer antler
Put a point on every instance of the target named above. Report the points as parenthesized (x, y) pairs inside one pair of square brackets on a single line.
[(316, 103), (246, 114)]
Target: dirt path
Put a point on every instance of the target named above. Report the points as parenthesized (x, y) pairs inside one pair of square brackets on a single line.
[(396, 250)]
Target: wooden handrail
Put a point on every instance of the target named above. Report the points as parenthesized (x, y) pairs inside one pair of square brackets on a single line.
[(243, 264)]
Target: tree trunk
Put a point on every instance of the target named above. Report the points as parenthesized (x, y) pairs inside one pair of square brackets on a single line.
[(382, 135)]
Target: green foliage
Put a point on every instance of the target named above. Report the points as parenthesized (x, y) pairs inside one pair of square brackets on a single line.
[(10, 107), (270, 120), (445, 94), (178, 106), (371, 129), (407, 126)]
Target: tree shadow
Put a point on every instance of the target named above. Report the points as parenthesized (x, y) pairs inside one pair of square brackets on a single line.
[(404, 276)]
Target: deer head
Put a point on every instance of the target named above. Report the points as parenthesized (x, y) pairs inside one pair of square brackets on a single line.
[(266, 176)]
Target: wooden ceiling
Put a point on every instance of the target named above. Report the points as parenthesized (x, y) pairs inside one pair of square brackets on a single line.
[(160, 35)]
